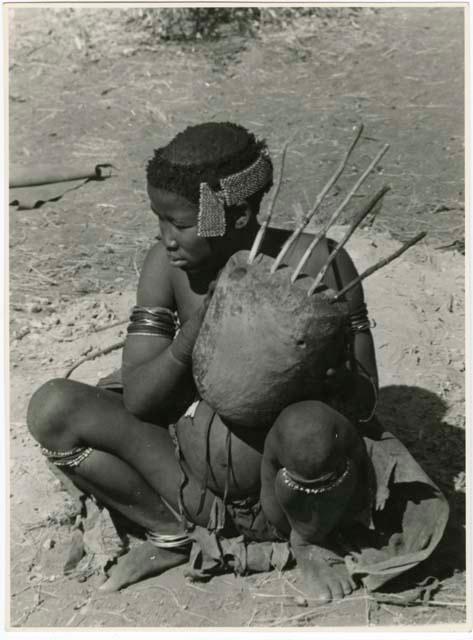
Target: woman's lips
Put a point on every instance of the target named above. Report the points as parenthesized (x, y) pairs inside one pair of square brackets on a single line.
[(175, 259)]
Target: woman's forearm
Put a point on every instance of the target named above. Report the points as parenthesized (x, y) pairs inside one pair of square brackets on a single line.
[(365, 374), (158, 390), (364, 355)]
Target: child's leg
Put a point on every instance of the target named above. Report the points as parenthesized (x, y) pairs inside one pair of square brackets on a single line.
[(309, 485), (132, 463)]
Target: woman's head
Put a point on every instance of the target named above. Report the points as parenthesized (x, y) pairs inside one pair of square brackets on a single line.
[(207, 154), (219, 167)]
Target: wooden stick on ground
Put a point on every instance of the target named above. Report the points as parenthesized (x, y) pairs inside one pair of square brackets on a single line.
[(351, 229), (337, 213), (95, 354), (110, 326), (262, 230), (308, 217), (379, 265)]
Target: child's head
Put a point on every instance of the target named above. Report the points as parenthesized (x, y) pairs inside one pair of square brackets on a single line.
[(218, 167)]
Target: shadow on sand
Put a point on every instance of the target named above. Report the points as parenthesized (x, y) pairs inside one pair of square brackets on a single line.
[(416, 417)]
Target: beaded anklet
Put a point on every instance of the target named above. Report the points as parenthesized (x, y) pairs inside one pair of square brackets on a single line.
[(71, 458)]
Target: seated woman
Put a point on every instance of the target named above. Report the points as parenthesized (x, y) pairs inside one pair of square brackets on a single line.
[(346, 496)]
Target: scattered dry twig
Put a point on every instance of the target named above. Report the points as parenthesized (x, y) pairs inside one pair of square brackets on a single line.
[(43, 277), (110, 326), (95, 354), (198, 615), (367, 608), (299, 616), (38, 601), (170, 591), (120, 613)]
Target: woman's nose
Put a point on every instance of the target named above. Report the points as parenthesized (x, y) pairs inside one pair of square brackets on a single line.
[(171, 243), (168, 239)]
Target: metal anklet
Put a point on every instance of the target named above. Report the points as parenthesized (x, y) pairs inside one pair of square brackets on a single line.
[(299, 486), (167, 541)]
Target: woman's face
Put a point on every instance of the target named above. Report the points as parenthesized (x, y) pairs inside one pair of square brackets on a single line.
[(178, 222)]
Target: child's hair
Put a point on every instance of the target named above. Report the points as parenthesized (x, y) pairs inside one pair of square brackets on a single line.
[(205, 153)]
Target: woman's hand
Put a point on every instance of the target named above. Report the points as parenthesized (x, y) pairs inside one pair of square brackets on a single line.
[(338, 379), (183, 345)]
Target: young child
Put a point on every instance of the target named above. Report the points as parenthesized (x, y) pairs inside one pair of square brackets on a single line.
[(348, 498)]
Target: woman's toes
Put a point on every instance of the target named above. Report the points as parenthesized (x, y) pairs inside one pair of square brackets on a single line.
[(347, 588), (325, 595), (337, 590)]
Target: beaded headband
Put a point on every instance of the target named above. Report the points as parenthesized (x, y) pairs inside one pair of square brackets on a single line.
[(233, 190)]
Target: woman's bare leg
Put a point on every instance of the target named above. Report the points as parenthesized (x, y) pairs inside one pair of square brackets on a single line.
[(132, 465)]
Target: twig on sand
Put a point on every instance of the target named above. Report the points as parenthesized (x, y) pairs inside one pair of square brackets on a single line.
[(272, 595), (95, 354), (439, 603), (42, 276), (380, 599), (385, 608), (135, 265), (299, 616), (293, 586), (182, 607), (253, 616), (38, 601), (193, 586), (50, 594), (163, 588), (198, 615), (17, 593), (367, 607), (120, 613), (110, 326)]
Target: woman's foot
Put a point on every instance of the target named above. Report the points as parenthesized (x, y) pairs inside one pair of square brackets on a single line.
[(144, 561), (324, 572)]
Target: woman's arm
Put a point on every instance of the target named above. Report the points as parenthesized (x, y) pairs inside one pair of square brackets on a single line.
[(157, 375), (361, 376)]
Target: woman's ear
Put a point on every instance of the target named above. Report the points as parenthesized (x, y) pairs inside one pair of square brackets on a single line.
[(243, 217)]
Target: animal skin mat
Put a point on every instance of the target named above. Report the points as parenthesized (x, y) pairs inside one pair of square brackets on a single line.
[(30, 187)]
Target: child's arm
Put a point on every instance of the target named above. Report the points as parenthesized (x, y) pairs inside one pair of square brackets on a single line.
[(157, 377)]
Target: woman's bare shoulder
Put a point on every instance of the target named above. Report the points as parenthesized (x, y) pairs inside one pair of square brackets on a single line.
[(155, 287)]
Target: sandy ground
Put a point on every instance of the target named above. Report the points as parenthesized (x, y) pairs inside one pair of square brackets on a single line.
[(109, 94)]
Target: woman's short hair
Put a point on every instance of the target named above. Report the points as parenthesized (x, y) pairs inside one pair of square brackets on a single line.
[(206, 153)]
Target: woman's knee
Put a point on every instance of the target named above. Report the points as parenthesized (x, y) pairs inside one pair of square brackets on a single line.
[(310, 438), (50, 410)]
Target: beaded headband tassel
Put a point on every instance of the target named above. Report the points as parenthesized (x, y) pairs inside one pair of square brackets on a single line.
[(233, 190)]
